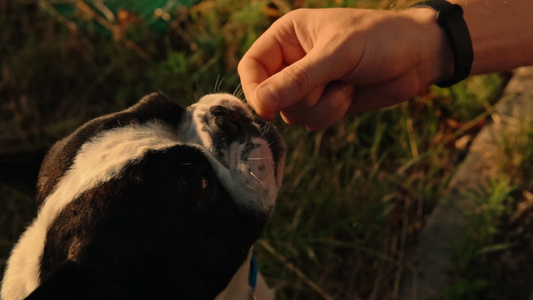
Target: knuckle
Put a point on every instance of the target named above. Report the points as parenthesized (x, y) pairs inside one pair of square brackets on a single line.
[(347, 95), (297, 13), (341, 97), (240, 67)]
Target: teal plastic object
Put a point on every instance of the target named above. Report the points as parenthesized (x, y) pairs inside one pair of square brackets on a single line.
[(143, 9)]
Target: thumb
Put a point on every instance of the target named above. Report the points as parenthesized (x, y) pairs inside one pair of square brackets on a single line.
[(293, 83)]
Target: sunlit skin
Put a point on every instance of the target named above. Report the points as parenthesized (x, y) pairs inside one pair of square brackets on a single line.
[(314, 66)]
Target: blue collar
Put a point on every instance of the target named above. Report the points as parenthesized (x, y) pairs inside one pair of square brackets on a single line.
[(254, 270)]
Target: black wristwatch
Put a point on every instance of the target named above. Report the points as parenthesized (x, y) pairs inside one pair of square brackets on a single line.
[(450, 18)]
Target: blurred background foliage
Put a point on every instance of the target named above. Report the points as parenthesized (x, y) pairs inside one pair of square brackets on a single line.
[(355, 195)]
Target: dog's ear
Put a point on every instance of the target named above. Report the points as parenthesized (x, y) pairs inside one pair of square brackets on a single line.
[(20, 170), (70, 281)]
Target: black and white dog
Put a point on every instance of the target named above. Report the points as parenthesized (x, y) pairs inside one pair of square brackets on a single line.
[(153, 202)]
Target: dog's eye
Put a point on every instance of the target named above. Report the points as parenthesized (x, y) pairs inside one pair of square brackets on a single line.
[(204, 190), (197, 179), (198, 188)]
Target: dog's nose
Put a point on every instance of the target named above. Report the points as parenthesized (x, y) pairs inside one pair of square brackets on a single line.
[(230, 120)]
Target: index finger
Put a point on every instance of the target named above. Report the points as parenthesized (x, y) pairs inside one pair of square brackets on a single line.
[(261, 61)]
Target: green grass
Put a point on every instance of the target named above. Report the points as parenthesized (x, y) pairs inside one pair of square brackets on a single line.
[(354, 196), (493, 260)]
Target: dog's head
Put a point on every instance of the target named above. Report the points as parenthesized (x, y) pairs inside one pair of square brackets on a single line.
[(155, 201)]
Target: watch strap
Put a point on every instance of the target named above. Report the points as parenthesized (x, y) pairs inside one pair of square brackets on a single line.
[(450, 18)]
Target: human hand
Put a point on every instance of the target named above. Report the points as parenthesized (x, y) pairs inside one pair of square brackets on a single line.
[(316, 65)]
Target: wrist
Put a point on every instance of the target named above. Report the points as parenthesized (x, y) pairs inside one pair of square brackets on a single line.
[(435, 61)]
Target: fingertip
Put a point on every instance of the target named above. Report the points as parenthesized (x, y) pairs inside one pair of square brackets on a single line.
[(257, 104), (267, 98), (267, 116), (312, 128), (285, 118), (249, 90)]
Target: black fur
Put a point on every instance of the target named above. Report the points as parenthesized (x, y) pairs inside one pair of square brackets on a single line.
[(158, 204)]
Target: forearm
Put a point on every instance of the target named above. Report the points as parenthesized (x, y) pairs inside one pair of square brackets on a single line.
[(501, 32)]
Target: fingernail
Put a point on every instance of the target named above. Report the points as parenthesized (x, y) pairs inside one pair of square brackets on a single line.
[(268, 98)]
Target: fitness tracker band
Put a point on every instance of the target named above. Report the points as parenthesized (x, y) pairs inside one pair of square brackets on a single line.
[(450, 18)]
